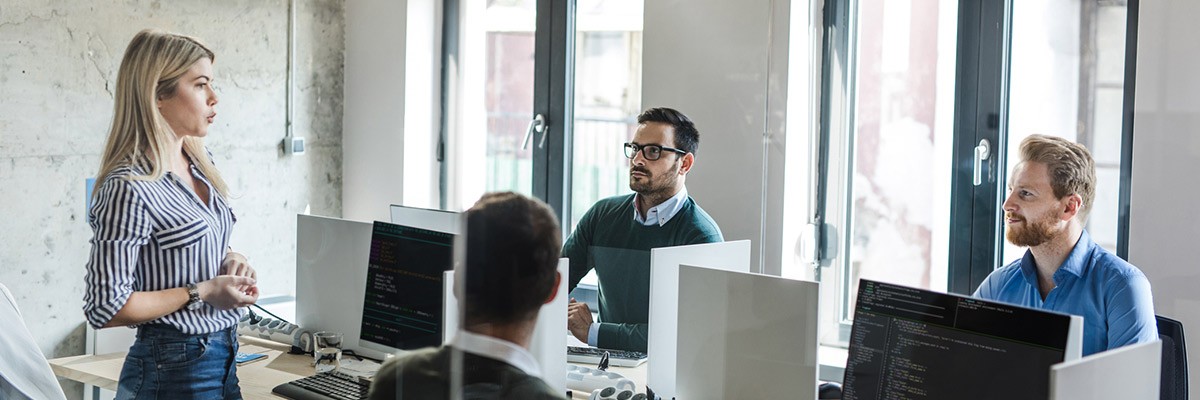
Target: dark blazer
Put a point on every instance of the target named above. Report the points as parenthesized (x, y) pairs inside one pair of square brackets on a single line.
[(425, 374)]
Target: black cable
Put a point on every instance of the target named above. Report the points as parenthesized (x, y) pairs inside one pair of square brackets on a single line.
[(268, 313)]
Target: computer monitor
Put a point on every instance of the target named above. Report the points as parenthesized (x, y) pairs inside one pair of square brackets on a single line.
[(908, 341), (549, 342), (438, 220), (1130, 372), (402, 304)]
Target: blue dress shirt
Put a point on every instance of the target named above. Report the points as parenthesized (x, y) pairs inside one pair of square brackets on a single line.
[(1111, 295)]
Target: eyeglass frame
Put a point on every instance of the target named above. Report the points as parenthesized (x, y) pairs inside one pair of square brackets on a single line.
[(640, 148)]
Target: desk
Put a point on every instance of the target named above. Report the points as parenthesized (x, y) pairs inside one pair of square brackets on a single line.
[(256, 378)]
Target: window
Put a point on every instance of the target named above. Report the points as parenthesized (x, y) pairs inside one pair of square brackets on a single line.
[(608, 70), (1067, 80), (924, 104), (494, 100)]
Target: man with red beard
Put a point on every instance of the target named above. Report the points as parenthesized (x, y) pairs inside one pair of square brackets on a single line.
[(1050, 195), (615, 236)]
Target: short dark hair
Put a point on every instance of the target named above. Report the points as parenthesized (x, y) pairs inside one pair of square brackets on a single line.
[(512, 250), (687, 138)]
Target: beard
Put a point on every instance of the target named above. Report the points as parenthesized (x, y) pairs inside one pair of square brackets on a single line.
[(653, 184), (1033, 233)]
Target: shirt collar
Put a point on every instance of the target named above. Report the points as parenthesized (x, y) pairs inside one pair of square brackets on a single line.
[(1074, 264), (500, 350), (661, 213)]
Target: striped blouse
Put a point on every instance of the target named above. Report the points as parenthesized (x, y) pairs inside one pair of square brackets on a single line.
[(155, 235)]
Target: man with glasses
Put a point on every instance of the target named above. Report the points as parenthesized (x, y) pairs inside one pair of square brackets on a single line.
[(615, 236)]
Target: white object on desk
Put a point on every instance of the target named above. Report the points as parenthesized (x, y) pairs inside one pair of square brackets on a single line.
[(1126, 373), (739, 335), (588, 380), (664, 301), (331, 275)]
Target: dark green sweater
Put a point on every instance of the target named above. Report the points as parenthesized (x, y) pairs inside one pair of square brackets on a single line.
[(425, 374), (618, 247)]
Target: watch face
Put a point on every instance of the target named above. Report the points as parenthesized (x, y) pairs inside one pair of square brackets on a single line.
[(194, 305)]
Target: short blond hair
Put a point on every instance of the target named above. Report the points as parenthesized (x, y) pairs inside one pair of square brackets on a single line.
[(1070, 165)]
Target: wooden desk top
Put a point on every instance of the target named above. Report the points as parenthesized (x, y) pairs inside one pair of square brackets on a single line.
[(256, 378)]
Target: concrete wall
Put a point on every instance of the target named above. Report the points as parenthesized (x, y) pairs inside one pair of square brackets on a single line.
[(58, 63), (1163, 222)]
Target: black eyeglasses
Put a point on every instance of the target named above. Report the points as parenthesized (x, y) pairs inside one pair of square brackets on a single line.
[(650, 151)]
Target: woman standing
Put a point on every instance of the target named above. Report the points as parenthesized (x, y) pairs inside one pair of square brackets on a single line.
[(160, 256)]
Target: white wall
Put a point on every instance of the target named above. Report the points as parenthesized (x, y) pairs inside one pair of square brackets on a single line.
[(373, 123), (709, 59), (1164, 223)]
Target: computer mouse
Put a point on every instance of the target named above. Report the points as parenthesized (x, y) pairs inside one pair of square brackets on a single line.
[(829, 390)]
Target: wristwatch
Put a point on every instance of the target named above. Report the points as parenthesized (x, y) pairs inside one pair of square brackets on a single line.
[(194, 301)]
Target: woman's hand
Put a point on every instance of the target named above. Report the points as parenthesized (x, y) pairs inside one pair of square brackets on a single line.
[(237, 265), (225, 292)]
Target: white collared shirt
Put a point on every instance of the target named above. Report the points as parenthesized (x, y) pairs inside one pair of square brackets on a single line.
[(661, 213), (24, 373), (496, 349)]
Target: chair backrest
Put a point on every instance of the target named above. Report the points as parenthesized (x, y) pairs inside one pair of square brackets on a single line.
[(1174, 384)]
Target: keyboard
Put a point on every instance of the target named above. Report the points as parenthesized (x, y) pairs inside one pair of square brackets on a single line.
[(325, 386), (616, 358)]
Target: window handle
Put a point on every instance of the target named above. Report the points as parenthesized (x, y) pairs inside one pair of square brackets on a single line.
[(538, 123), (982, 151)]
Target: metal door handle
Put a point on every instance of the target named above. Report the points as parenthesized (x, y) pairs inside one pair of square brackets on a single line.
[(982, 151), (538, 123)]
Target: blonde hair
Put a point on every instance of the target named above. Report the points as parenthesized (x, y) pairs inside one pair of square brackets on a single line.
[(150, 71), (1070, 165)]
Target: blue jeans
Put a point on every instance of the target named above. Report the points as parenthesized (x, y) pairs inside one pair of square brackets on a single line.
[(165, 363)]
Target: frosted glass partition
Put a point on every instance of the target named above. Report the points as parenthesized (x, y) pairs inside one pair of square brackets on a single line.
[(331, 274), (741, 335), (450, 308), (549, 342), (664, 300), (1130, 372)]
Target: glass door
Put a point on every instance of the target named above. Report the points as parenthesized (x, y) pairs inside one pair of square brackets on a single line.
[(508, 91), (608, 71), (889, 109), (495, 99), (1067, 77)]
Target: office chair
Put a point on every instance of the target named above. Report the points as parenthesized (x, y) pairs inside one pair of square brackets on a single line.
[(1174, 384)]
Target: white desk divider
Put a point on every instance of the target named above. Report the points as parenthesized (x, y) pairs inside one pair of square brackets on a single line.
[(450, 315), (664, 301), (1130, 372), (745, 335), (1074, 339), (331, 275), (549, 342)]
